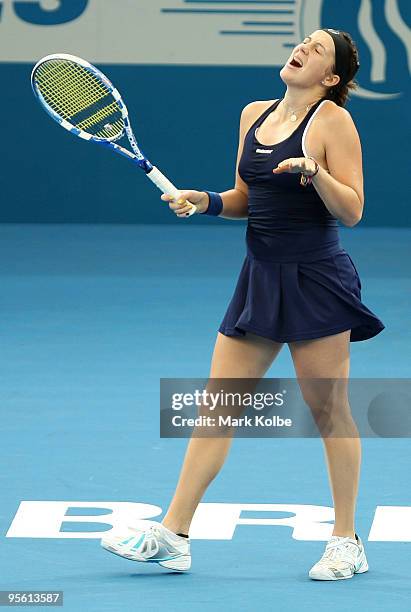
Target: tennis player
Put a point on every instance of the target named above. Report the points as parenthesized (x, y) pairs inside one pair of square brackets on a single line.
[(299, 172)]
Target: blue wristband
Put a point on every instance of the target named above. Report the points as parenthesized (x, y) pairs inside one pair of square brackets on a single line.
[(216, 204)]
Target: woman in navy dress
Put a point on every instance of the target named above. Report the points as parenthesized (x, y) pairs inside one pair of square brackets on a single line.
[(299, 172)]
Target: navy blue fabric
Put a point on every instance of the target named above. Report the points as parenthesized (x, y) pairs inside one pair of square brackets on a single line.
[(215, 204), (297, 281)]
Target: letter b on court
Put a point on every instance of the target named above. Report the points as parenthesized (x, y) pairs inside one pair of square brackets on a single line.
[(74, 519)]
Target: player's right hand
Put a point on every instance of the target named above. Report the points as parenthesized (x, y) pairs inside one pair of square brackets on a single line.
[(181, 208)]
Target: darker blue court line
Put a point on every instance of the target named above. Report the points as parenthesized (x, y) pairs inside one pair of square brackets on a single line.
[(228, 11), (256, 33), (264, 23), (289, 44)]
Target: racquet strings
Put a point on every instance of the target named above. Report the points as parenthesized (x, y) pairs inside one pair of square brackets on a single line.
[(80, 97)]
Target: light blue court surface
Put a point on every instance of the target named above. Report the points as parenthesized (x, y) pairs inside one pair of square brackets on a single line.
[(91, 318)]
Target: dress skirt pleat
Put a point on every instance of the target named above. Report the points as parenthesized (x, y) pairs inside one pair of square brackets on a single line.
[(286, 302)]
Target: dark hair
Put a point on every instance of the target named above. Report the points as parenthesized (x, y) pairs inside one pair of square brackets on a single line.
[(340, 93)]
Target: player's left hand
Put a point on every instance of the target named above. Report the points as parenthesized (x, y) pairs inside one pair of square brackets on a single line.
[(296, 165)]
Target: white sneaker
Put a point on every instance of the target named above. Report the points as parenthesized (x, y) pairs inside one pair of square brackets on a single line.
[(343, 557), (150, 542)]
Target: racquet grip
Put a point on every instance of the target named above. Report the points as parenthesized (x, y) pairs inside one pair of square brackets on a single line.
[(167, 186)]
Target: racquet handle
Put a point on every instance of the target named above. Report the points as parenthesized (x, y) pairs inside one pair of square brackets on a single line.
[(167, 186)]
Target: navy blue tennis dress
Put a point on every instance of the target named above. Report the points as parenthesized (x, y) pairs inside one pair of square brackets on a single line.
[(297, 282)]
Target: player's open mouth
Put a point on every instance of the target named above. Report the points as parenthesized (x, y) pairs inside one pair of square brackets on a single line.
[(295, 63)]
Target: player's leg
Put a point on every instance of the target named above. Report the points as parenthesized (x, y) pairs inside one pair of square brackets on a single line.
[(329, 359), (248, 357), (244, 358)]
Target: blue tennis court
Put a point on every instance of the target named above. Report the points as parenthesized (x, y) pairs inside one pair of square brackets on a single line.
[(92, 318)]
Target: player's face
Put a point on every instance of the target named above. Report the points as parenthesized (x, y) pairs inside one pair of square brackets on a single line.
[(316, 54)]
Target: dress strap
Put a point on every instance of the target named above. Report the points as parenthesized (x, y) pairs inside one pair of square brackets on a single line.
[(311, 112), (265, 114)]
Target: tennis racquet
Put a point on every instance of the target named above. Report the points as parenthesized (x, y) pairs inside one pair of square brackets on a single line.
[(83, 101)]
